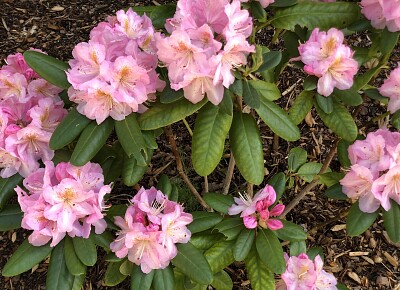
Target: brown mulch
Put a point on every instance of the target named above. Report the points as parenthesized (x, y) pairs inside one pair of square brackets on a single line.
[(366, 262)]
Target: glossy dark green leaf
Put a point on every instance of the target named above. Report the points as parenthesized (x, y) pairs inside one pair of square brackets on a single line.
[(278, 182), (260, 276), (161, 115), (265, 90), (237, 87), (270, 251), (309, 170), (396, 119), (271, 60), (7, 186), (220, 255), (74, 265), (78, 282), (342, 152), (210, 131), (163, 279), (341, 287), (10, 217), (250, 95), (330, 178), (284, 3), (160, 14), (140, 280), (310, 83), (48, 67), (69, 128), (61, 155), (169, 95), (150, 139), (86, 251), (278, 120), (192, 263), (222, 281), (24, 258), (301, 106), (230, 227), (247, 147), (203, 220), (361, 80), (206, 239), (349, 97), (325, 103), (243, 244), (164, 185), (257, 11), (297, 157), (58, 277), (359, 221), (132, 172), (315, 251), (391, 220), (335, 192), (218, 201), (296, 248), (113, 275), (131, 138), (375, 95), (104, 239), (226, 105), (90, 142), (291, 232)]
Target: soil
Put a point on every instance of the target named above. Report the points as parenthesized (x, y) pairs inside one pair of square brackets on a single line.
[(369, 261)]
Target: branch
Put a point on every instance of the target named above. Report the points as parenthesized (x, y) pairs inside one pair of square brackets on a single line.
[(313, 183), (179, 166), (229, 174)]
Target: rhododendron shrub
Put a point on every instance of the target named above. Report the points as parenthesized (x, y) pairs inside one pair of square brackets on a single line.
[(221, 68), (63, 200)]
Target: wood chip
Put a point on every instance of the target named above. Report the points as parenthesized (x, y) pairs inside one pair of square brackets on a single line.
[(355, 254), (368, 259), (337, 228), (57, 8), (354, 276), (392, 260), (14, 237)]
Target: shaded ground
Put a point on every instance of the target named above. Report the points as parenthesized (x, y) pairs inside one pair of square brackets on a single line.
[(366, 262)]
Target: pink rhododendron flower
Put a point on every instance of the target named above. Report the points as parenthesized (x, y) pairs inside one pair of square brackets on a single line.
[(382, 13), (326, 57), (304, 274), (59, 201), (30, 110), (150, 229), (256, 211), (391, 89), (207, 41), (114, 73), (375, 171)]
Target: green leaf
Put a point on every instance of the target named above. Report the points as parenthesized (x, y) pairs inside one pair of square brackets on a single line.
[(243, 244), (222, 281), (163, 279), (341, 287), (58, 277), (247, 147), (296, 248), (270, 60), (192, 263), (237, 87), (69, 128), (391, 221), (284, 3), (7, 186), (78, 282), (90, 142), (230, 227), (330, 178), (278, 182), (339, 121), (160, 14), (342, 152), (301, 106), (388, 41), (150, 139), (297, 157), (205, 240), (48, 67), (164, 185), (174, 193), (131, 172), (169, 95), (309, 170), (257, 11), (161, 115), (210, 131), (310, 83), (359, 221), (220, 255), (139, 280), (291, 232), (111, 257), (261, 277), (203, 220), (24, 258), (250, 95), (325, 103), (315, 251), (74, 265), (226, 105), (278, 120), (265, 90), (218, 201), (61, 155), (375, 95), (312, 15), (86, 251), (113, 275), (335, 192), (349, 97), (361, 80), (10, 217), (131, 138), (270, 251)]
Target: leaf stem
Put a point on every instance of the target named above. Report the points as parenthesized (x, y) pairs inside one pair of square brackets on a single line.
[(187, 127)]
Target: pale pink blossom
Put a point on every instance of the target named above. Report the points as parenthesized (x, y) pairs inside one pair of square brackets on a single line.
[(391, 89), (382, 13)]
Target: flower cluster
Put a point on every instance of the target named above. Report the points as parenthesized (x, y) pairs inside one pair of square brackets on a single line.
[(382, 13), (375, 171), (391, 89), (326, 57), (255, 211), (30, 110), (151, 228), (114, 73), (305, 274), (207, 41), (63, 200)]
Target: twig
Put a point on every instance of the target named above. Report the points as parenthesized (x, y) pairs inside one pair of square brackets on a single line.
[(275, 144), (324, 224), (313, 183), (187, 127), (229, 174), (250, 189), (179, 166), (205, 184)]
